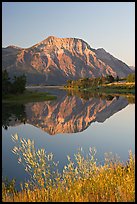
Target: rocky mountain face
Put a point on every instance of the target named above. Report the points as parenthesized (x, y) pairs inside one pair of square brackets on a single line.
[(117, 65), (55, 60)]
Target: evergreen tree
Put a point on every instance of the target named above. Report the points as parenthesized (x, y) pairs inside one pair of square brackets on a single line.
[(17, 86), (19, 83), (6, 84), (117, 78), (110, 78)]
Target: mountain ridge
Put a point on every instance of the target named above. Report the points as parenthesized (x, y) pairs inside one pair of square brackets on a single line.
[(55, 60)]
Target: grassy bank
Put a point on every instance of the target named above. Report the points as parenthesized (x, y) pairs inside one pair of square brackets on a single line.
[(84, 182), (27, 96), (115, 87), (121, 88)]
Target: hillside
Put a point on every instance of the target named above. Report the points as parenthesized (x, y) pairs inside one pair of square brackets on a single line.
[(55, 60)]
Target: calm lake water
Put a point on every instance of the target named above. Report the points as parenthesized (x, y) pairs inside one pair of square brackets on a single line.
[(71, 121)]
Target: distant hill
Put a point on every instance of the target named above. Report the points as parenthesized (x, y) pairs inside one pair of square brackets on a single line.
[(55, 60)]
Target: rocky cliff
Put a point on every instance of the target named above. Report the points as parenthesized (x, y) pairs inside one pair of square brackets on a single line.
[(55, 60)]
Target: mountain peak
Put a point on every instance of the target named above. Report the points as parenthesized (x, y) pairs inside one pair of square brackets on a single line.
[(52, 37), (55, 60), (14, 47)]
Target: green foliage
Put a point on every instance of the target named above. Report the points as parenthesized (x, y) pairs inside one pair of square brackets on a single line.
[(90, 82), (19, 83), (117, 78), (131, 78), (6, 84), (15, 87), (110, 78), (28, 96), (107, 84), (69, 81)]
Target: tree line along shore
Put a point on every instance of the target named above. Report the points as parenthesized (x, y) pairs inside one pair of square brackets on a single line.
[(104, 83)]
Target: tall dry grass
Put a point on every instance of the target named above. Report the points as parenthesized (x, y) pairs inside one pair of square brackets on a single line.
[(84, 181)]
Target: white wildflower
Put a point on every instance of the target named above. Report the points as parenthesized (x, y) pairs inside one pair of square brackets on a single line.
[(19, 160), (14, 137), (68, 157)]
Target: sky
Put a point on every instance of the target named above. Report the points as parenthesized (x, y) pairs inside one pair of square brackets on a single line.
[(108, 25)]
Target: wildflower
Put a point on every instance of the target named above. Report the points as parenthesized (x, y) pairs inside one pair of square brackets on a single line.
[(50, 156), (19, 160), (65, 167), (26, 185), (68, 157), (26, 168), (14, 137), (15, 150)]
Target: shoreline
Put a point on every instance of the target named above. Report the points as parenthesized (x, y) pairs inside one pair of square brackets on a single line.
[(42, 86), (28, 96)]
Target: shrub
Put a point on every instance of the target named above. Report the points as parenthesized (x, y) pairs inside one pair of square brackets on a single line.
[(131, 78), (82, 181), (17, 86)]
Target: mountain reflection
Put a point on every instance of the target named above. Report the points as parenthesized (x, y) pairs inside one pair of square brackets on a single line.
[(68, 114)]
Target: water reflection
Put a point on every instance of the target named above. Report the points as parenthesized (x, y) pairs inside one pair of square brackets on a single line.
[(70, 113), (13, 114)]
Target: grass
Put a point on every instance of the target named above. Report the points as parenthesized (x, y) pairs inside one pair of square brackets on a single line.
[(86, 181), (28, 96), (122, 87)]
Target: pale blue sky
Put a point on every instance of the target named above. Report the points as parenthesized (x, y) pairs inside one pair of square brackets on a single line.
[(110, 25)]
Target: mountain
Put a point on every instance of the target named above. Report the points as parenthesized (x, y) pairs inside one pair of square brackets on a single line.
[(132, 67), (117, 65), (55, 60)]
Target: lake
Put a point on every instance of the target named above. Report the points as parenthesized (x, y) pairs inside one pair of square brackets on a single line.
[(72, 121)]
